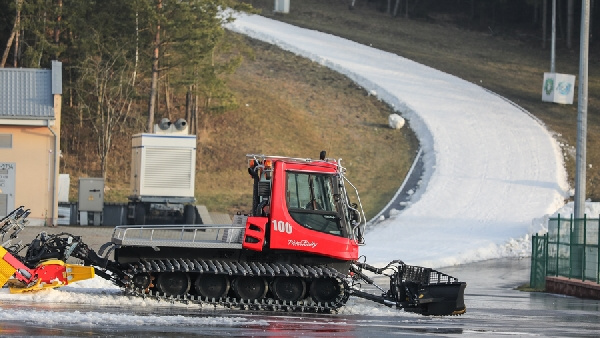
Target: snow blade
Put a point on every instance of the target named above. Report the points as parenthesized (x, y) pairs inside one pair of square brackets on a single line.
[(427, 291), (414, 289), (437, 300)]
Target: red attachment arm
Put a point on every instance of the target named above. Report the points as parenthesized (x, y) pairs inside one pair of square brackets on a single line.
[(23, 273)]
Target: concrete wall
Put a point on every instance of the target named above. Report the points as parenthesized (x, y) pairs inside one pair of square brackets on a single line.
[(573, 287)]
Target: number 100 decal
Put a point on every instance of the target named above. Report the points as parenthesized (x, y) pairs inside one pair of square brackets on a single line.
[(282, 226)]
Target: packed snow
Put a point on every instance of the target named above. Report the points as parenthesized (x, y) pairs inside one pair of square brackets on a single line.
[(91, 318), (95, 297), (493, 174)]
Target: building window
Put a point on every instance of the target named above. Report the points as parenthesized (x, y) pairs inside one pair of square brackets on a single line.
[(6, 141)]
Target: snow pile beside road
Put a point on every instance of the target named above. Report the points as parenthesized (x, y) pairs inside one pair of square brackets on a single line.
[(93, 318)]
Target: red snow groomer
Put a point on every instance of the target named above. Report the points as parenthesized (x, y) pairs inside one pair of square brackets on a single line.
[(297, 250)]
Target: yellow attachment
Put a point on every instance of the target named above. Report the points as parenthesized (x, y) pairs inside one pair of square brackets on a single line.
[(37, 286), (459, 312), (77, 272), (72, 273), (6, 270)]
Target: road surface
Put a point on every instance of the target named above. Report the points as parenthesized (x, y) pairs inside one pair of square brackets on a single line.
[(494, 308)]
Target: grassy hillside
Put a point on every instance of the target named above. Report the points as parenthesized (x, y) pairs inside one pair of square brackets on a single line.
[(510, 61), (293, 107), (288, 106)]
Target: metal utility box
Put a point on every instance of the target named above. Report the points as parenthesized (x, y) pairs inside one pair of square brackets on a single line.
[(7, 187), (163, 165), (91, 194), (91, 201), (64, 183)]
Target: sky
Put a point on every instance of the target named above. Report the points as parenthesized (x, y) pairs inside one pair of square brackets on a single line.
[(493, 175)]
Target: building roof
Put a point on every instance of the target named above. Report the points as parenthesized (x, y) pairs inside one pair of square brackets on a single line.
[(27, 94)]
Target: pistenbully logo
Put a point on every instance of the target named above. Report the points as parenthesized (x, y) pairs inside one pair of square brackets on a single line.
[(303, 242)]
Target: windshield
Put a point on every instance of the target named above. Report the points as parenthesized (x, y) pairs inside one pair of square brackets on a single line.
[(311, 202)]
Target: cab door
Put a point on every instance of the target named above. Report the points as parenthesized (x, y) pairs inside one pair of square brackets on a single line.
[(304, 213)]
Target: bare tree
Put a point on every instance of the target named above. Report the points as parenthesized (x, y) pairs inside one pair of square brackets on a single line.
[(106, 93), (57, 26), (155, 70), (570, 13), (13, 34), (544, 23), (396, 8)]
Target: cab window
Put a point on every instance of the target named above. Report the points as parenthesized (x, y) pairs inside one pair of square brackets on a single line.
[(310, 201)]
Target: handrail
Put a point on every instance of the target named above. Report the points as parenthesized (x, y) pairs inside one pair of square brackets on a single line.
[(158, 235)]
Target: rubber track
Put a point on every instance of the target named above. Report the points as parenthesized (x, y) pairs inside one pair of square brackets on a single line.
[(239, 269)]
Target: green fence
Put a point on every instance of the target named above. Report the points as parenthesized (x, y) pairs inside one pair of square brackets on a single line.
[(569, 249)]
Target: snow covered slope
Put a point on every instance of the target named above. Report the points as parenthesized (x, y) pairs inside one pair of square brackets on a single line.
[(491, 168)]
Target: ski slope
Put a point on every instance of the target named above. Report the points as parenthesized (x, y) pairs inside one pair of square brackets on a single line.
[(492, 170)]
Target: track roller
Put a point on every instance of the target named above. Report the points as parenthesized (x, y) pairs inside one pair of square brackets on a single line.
[(289, 289), (142, 281), (250, 287), (325, 290), (173, 283), (212, 286)]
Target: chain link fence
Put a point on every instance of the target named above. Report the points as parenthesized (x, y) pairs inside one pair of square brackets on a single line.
[(569, 249)]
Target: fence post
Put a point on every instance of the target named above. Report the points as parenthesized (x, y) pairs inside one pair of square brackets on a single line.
[(571, 246), (546, 239), (557, 244), (584, 247), (532, 281)]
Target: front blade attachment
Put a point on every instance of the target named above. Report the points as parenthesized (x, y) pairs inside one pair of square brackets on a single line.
[(414, 289), (427, 291)]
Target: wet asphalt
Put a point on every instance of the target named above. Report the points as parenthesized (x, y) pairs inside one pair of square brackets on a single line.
[(494, 308)]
